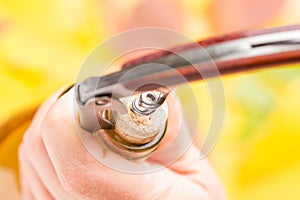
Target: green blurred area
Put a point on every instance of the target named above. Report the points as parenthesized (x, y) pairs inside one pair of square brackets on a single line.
[(44, 43)]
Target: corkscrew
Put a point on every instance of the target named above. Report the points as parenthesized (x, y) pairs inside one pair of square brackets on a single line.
[(129, 107)]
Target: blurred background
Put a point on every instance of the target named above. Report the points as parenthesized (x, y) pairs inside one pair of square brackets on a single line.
[(44, 43)]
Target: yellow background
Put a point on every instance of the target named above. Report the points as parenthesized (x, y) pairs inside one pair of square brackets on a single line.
[(43, 44)]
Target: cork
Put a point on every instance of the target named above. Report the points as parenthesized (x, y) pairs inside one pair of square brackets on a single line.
[(138, 129)]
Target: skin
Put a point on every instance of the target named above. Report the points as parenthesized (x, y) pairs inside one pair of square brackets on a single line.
[(54, 164)]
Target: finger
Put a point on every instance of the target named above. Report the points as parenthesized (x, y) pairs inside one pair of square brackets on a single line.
[(41, 164), (25, 191), (33, 146), (177, 139), (174, 120), (82, 175), (179, 153), (33, 182), (199, 171), (186, 162)]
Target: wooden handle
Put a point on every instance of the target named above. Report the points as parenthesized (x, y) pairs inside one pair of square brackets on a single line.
[(229, 66)]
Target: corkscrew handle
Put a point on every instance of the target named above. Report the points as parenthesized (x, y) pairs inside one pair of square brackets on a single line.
[(189, 62), (231, 53)]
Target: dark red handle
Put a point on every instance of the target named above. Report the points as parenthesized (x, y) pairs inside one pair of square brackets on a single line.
[(230, 66)]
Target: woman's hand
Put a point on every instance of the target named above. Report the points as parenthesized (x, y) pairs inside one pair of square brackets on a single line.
[(54, 164)]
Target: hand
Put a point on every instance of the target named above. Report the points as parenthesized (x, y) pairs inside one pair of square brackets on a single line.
[(54, 164)]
